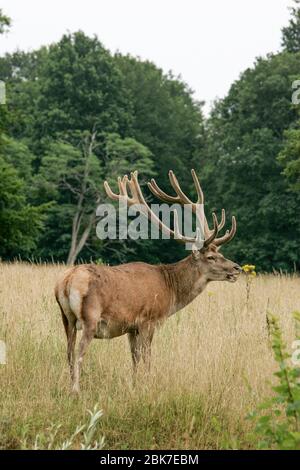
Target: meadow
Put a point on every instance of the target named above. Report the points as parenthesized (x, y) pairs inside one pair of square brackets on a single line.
[(211, 365)]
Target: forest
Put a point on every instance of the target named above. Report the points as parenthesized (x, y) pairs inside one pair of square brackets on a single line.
[(76, 114)]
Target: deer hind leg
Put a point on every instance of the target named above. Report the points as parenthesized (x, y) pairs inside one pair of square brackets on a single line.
[(89, 331), (140, 347), (70, 329), (71, 346)]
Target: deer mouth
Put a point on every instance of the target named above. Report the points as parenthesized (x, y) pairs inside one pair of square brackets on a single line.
[(232, 277)]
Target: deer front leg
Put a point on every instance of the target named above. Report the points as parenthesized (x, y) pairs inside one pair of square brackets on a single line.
[(89, 331)]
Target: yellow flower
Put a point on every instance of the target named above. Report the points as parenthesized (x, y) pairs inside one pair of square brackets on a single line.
[(249, 269), (245, 268)]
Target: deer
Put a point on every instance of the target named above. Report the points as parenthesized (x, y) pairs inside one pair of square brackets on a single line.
[(134, 298)]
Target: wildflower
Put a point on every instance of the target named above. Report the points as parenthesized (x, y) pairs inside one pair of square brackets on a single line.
[(249, 269)]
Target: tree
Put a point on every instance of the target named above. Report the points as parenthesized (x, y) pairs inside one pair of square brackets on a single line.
[(57, 93), (121, 157), (80, 89), (169, 122), (291, 33), (289, 157), (4, 25), (5, 22), (241, 170), (69, 177), (20, 222), (166, 118), (20, 157)]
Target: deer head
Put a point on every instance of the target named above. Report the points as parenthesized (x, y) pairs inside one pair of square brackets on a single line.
[(205, 251)]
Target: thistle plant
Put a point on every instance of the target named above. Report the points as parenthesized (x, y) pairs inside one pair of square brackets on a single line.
[(84, 434), (249, 270), (277, 419)]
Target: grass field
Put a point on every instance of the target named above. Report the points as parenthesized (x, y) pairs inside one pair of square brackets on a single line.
[(211, 365)]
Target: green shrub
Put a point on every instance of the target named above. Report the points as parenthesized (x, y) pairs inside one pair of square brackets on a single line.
[(277, 419)]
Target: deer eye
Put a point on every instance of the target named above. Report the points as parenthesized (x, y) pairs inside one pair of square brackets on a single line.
[(211, 258)]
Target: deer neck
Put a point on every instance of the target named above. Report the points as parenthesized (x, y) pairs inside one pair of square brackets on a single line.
[(185, 282)]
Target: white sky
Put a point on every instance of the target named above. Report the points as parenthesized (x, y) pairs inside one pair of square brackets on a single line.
[(208, 42)]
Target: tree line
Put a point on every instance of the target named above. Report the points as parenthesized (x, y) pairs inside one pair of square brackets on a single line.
[(75, 114)]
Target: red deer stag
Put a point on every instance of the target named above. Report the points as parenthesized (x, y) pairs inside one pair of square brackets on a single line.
[(133, 298)]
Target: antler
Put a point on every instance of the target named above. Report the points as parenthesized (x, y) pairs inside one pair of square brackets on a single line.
[(138, 198), (181, 198)]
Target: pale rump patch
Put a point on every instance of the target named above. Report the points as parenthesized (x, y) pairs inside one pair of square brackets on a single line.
[(75, 301), (64, 303)]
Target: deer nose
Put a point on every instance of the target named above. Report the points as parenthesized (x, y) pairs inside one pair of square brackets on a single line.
[(237, 268)]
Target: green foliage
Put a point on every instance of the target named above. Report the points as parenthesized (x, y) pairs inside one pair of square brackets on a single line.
[(240, 166), (125, 155), (121, 156), (4, 22), (17, 153), (84, 433), (148, 120), (67, 175), (20, 223), (278, 419), (165, 117), (291, 33), (289, 157), (80, 89)]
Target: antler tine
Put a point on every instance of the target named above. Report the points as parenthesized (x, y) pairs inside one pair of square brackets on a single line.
[(223, 219), (160, 194), (228, 235), (220, 225), (132, 185), (152, 216), (214, 232), (180, 196), (198, 187), (109, 192), (174, 182), (178, 235), (122, 183)]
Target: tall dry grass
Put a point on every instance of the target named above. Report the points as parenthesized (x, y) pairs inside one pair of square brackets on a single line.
[(211, 365)]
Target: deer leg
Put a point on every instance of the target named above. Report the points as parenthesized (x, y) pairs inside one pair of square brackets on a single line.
[(134, 342), (140, 347), (71, 346), (70, 329), (146, 340), (89, 330)]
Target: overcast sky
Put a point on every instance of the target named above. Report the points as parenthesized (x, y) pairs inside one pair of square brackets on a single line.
[(208, 42)]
